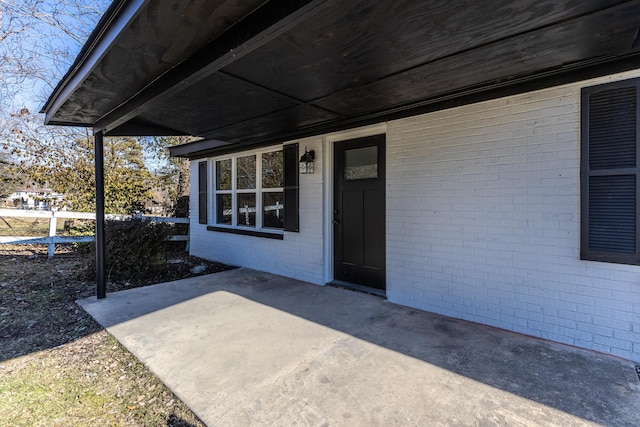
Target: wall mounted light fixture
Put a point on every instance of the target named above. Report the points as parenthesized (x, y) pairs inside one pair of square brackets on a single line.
[(306, 161)]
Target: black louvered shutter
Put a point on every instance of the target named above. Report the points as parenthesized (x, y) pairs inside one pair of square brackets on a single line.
[(291, 197), (609, 173), (202, 192)]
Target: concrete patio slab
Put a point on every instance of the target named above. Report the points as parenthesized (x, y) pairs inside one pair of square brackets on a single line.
[(249, 348)]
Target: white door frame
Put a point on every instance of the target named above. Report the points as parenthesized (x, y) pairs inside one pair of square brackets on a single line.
[(327, 161)]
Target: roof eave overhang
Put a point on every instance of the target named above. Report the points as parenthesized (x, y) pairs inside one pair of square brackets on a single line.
[(117, 17), (280, 113)]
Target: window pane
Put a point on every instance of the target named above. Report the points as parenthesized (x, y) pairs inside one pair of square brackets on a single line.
[(223, 209), (273, 210), (361, 163), (247, 210), (246, 173), (223, 174), (272, 170)]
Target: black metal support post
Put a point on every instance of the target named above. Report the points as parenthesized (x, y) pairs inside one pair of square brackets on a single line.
[(101, 291)]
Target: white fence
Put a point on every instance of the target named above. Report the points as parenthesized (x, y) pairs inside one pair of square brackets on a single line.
[(51, 240)]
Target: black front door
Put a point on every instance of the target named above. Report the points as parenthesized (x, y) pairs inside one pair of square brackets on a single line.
[(359, 211)]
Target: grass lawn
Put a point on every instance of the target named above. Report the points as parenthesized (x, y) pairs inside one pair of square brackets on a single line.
[(57, 366), (35, 227)]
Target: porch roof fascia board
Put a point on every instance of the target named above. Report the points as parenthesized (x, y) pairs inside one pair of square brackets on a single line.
[(201, 146), (115, 19)]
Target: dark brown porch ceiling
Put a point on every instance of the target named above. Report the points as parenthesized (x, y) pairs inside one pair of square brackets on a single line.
[(253, 72)]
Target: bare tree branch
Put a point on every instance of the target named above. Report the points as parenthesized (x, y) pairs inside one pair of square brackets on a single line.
[(38, 42)]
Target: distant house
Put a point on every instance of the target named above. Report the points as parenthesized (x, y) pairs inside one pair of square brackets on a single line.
[(478, 162), (32, 198)]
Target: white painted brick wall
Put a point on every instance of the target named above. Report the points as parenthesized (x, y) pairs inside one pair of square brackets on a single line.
[(299, 255), (483, 216), (483, 224)]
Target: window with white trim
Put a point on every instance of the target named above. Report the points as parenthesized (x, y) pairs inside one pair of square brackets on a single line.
[(249, 190)]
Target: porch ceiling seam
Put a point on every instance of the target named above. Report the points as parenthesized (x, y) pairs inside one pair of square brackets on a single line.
[(281, 94)]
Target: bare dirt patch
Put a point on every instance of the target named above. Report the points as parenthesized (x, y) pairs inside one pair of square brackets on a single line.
[(57, 365)]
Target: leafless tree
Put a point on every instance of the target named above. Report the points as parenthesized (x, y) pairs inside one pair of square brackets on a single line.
[(39, 40)]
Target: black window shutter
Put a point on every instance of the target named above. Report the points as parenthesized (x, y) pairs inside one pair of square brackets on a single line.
[(609, 173), (202, 192), (291, 190)]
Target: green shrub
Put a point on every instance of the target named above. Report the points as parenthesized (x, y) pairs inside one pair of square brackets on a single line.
[(181, 210), (134, 248), (80, 227)]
